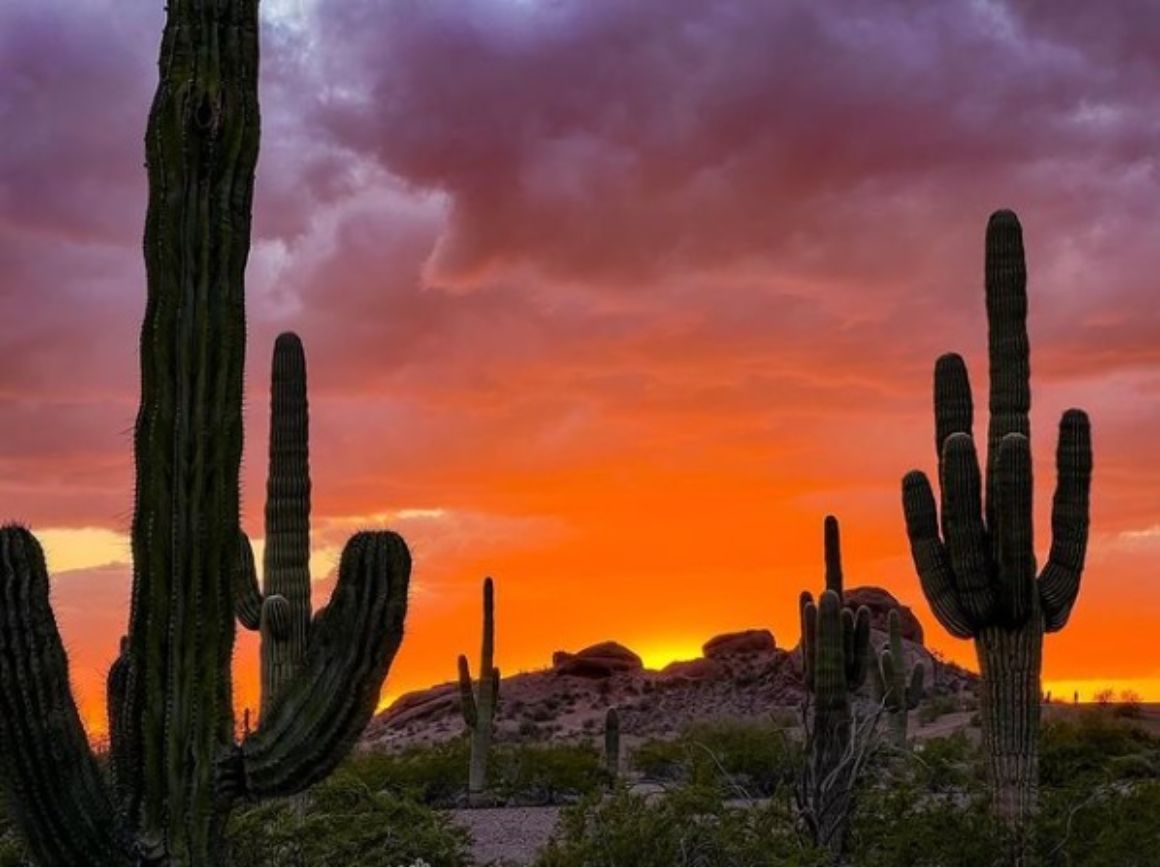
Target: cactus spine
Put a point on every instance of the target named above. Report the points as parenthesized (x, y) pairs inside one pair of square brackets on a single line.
[(479, 706), (612, 744), (979, 572), (281, 609), (899, 694), (177, 769), (834, 647)]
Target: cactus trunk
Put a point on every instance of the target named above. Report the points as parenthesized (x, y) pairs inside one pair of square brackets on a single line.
[(612, 744)]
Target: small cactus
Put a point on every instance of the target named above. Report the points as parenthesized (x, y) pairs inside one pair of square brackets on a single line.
[(898, 693), (479, 706), (612, 744), (834, 646)]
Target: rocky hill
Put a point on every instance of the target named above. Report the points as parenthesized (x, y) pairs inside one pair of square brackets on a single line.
[(741, 674)]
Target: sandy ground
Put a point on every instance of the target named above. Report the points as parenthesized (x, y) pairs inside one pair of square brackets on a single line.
[(508, 835)]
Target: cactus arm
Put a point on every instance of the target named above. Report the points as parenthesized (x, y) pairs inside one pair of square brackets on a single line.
[(467, 694), (63, 809), (809, 617), (832, 543), (1005, 272), (954, 410), (1016, 553), (930, 556), (963, 529), (916, 690), (116, 686), (860, 643), (286, 562), (247, 595), (1070, 519), (317, 719)]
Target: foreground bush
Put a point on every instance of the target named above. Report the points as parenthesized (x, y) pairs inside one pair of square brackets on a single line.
[(346, 824), (688, 827), (517, 773), (752, 758), (1095, 747)]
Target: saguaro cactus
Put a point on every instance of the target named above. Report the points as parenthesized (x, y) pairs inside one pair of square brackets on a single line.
[(612, 743), (979, 573), (834, 647), (177, 767), (479, 706), (281, 609), (898, 693)]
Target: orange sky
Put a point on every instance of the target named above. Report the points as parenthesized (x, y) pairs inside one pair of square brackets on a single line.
[(614, 308)]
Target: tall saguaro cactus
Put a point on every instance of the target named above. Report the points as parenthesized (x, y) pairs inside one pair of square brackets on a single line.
[(281, 609), (979, 572), (899, 694), (834, 646), (479, 706), (177, 769)]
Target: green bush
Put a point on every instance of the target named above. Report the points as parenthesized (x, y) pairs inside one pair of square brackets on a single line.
[(433, 775), (935, 707), (688, 827), (1093, 748), (906, 826), (346, 823), (947, 764), (754, 758), (537, 773), (547, 773), (1113, 825)]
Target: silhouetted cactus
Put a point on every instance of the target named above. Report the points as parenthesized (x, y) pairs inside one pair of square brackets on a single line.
[(176, 765), (281, 609), (834, 647), (479, 707), (979, 572), (898, 693), (612, 744)]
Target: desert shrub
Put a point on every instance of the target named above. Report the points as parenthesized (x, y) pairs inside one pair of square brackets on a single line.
[(688, 827), (435, 775), (546, 773), (905, 825), (738, 756), (1095, 747), (1109, 826), (947, 763), (935, 707), (346, 823), (12, 851)]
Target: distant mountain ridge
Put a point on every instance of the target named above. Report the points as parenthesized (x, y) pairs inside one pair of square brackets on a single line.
[(740, 674)]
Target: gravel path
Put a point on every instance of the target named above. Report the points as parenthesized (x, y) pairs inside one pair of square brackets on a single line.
[(510, 835)]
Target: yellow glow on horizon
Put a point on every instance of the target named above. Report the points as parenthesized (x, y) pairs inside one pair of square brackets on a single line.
[(68, 548), (1063, 691), (657, 656)]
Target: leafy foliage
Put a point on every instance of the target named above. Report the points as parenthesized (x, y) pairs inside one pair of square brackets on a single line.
[(346, 823), (740, 757)]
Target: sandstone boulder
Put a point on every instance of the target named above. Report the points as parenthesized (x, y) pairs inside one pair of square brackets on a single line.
[(881, 602), (739, 643), (598, 661)]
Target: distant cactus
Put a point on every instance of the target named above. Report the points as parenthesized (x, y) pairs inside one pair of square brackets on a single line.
[(177, 770), (834, 646), (979, 573), (898, 693), (479, 707), (612, 743), (281, 609)]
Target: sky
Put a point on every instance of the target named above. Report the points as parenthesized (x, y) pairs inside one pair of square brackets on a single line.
[(610, 299)]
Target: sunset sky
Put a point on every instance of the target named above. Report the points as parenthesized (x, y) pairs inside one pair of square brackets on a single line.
[(610, 299)]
